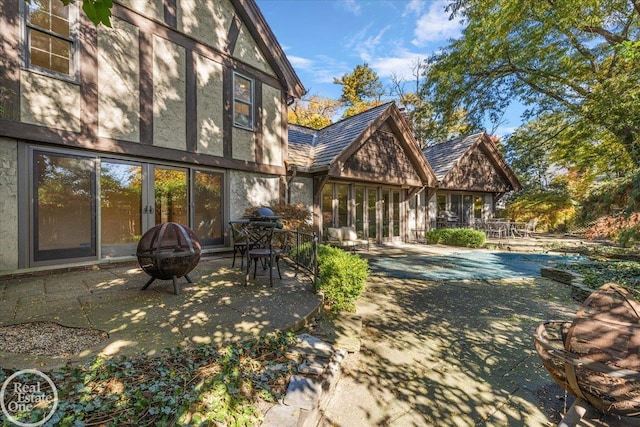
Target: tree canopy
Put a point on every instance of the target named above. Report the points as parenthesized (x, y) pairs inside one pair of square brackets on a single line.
[(573, 60), (361, 90), (314, 112)]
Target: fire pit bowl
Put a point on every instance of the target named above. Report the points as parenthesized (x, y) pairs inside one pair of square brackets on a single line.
[(597, 356), (168, 251)]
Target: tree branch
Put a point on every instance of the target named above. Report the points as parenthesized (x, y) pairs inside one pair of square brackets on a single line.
[(610, 37)]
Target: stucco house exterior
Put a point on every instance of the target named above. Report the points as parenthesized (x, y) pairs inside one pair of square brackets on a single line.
[(176, 113)]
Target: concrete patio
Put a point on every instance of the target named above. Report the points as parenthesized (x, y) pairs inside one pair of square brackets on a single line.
[(216, 308)]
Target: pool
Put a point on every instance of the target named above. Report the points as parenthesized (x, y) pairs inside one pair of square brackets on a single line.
[(468, 265)]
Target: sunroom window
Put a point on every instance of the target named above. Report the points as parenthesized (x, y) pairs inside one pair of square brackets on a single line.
[(50, 39)]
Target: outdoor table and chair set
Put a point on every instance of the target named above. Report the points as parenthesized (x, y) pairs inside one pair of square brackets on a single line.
[(492, 227), (259, 239)]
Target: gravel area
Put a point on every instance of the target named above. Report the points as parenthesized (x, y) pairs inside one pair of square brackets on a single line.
[(48, 339)]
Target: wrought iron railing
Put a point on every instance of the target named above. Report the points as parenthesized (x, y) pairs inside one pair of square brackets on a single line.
[(303, 251)]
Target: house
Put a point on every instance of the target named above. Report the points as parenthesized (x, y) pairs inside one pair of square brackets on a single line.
[(179, 113), (176, 113), (365, 171), (472, 176)]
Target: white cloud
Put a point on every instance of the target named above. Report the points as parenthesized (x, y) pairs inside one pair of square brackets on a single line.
[(400, 65), (352, 6), (301, 63), (414, 7), (435, 25), (365, 45)]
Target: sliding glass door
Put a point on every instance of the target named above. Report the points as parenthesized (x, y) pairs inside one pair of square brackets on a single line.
[(64, 194), (86, 207)]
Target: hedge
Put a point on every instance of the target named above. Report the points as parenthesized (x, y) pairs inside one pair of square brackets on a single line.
[(456, 237)]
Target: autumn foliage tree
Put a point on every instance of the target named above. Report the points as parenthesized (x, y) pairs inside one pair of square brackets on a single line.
[(314, 111), (361, 90)]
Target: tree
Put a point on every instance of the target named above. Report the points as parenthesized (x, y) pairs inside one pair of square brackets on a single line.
[(577, 59), (314, 112), (361, 90)]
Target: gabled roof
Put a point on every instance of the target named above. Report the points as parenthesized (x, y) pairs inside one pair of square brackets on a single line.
[(445, 156), (261, 32), (327, 149)]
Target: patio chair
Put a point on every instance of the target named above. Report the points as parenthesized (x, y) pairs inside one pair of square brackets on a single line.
[(239, 241), (261, 247), (530, 228), (496, 229)]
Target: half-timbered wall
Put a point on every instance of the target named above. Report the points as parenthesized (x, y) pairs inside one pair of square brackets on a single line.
[(156, 89)]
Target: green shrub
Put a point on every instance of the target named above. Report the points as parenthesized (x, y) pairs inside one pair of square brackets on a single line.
[(456, 237), (341, 277)]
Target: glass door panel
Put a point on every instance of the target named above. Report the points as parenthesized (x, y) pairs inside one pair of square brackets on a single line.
[(170, 193), (456, 204), (477, 207), (467, 209), (327, 206), (120, 208), (386, 205), (396, 213), (207, 210), (343, 205), (371, 212), (64, 195), (360, 211)]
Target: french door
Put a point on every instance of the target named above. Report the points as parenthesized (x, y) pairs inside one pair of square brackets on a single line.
[(134, 198)]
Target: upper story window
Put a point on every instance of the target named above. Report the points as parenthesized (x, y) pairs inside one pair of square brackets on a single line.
[(49, 36), (242, 102)]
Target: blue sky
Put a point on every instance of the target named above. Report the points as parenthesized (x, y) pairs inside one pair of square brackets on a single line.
[(324, 39)]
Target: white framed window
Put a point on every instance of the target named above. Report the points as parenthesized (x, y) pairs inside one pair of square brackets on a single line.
[(242, 102), (50, 37)]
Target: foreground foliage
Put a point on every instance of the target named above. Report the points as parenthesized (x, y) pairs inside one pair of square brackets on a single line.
[(205, 385), (456, 237), (342, 277)]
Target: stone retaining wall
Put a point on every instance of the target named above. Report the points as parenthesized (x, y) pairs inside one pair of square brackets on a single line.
[(579, 291)]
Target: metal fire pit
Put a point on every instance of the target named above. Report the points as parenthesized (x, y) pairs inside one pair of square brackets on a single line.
[(168, 251), (596, 357)]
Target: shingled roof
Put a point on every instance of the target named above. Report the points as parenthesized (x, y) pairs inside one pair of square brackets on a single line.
[(316, 149), (444, 156), (327, 149)]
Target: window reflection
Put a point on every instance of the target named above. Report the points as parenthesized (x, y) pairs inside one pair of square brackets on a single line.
[(207, 216), (64, 193), (49, 35), (121, 203)]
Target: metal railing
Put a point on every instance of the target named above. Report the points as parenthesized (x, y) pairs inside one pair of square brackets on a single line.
[(303, 251)]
